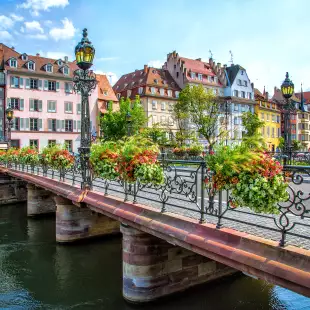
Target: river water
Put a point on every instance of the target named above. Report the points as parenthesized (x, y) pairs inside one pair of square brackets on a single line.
[(36, 273)]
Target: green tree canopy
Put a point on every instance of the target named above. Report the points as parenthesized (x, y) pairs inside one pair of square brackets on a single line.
[(113, 124)]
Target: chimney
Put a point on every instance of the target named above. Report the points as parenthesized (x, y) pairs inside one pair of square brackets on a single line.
[(13, 48), (225, 66), (252, 85), (267, 95), (219, 65), (199, 59), (174, 53), (37, 54), (145, 68), (66, 59)]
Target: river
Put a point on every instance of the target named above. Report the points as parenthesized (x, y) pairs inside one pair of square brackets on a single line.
[(36, 273)]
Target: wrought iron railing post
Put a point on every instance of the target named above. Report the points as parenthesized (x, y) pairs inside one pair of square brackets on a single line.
[(126, 191), (202, 193), (219, 215)]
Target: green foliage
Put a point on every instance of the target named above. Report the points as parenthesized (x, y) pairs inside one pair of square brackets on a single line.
[(57, 156), (156, 134), (203, 109), (113, 124), (150, 173), (281, 143), (28, 155), (296, 145)]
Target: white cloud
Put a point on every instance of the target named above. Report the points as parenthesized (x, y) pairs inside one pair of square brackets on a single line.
[(6, 22), (56, 55), (22, 29), (112, 77), (36, 6), (37, 36), (156, 63), (34, 26), (5, 36), (48, 23), (67, 32), (17, 18)]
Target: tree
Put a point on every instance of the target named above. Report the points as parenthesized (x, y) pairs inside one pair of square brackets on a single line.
[(281, 143), (203, 109), (113, 124), (156, 134), (296, 145)]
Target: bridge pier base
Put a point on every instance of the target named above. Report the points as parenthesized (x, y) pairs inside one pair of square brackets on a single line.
[(153, 268), (74, 223), (39, 201), (12, 190)]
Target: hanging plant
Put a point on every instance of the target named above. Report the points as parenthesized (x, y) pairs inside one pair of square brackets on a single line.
[(28, 156)]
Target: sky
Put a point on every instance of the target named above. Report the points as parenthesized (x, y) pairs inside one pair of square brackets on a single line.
[(266, 37)]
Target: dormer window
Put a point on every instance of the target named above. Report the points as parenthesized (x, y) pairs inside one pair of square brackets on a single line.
[(118, 96), (199, 76), (140, 90), (13, 63), (155, 81), (177, 94), (31, 65), (169, 92), (65, 70), (128, 93), (59, 62), (49, 68), (162, 92), (24, 57), (193, 75)]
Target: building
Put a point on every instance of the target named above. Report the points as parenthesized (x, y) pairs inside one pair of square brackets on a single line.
[(269, 112), (46, 109), (2, 96), (157, 90), (303, 119), (106, 96)]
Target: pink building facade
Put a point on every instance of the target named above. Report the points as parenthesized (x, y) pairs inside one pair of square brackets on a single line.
[(46, 109)]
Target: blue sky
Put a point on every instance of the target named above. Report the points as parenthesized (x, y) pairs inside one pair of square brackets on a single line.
[(267, 37)]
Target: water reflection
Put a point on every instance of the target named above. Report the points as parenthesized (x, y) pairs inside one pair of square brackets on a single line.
[(36, 273)]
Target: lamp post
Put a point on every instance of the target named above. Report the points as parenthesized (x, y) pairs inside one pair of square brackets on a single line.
[(287, 89), (9, 116), (84, 82), (128, 123)]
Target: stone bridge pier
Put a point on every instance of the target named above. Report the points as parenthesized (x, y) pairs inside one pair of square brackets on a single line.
[(12, 190)]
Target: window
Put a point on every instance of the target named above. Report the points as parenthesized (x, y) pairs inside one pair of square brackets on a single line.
[(15, 144), (193, 75), (78, 108), (68, 87), (51, 106), (15, 125), (24, 57), (154, 105), (242, 72), (140, 90), (177, 74), (279, 132), (14, 104), (169, 93), (51, 85), (34, 143), (34, 125), (49, 68), (239, 82), (105, 92), (118, 96), (268, 131), (52, 124), (236, 120), (177, 94), (243, 94), (68, 125), (263, 116), (236, 107), (69, 144), (278, 118), (199, 76), (153, 90), (155, 81), (51, 142), (13, 63), (170, 106), (163, 106), (250, 96), (267, 115), (162, 92), (163, 119), (31, 65), (263, 131), (33, 84), (272, 132), (68, 107), (15, 81), (128, 93), (235, 93), (35, 105), (245, 83), (59, 62), (66, 70)]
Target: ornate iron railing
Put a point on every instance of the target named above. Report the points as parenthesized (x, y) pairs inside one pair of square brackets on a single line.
[(184, 192)]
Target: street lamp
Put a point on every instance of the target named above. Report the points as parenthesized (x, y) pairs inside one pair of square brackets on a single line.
[(287, 89), (9, 116), (128, 122), (84, 82)]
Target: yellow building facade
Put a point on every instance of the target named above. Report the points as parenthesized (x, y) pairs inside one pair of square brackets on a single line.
[(270, 113)]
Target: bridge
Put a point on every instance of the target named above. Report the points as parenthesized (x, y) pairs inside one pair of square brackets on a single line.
[(175, 235)]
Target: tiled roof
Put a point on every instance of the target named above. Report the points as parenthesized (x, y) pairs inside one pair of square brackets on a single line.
[(232, 72), (277, 95), (306, 95), (105, 91), (146, 78), (39, 61)]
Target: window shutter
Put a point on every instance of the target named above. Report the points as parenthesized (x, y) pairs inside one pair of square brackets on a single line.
[(74, 125), (40, 105), (78, 125), (57, 86), (21, 104), (27, 83), (78, 108), (66, 106), (40, 123), (40, 84), (31, 105), (8, 102), (70, 87), (63, 125), (27, 123), (21, 123), (91, 126), (54, 106), (21, 83), (49, 125), (45, 85), (70, 107), (12, 81), (58, 125)]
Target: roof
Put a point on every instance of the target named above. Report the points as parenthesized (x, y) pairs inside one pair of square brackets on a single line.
[(146, 78), (306, 95), (39, 61), (105, 90), (277, 95), (232, 72)]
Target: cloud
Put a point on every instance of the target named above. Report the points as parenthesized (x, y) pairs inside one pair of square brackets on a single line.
[(48, 23), (156, 63), (106, 58), (36, 6), (112, 77), (5, 36), (37, 36), (54, 55), (67, 32), (17, 18), (33, 26), (22, 29), (6, 22)]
